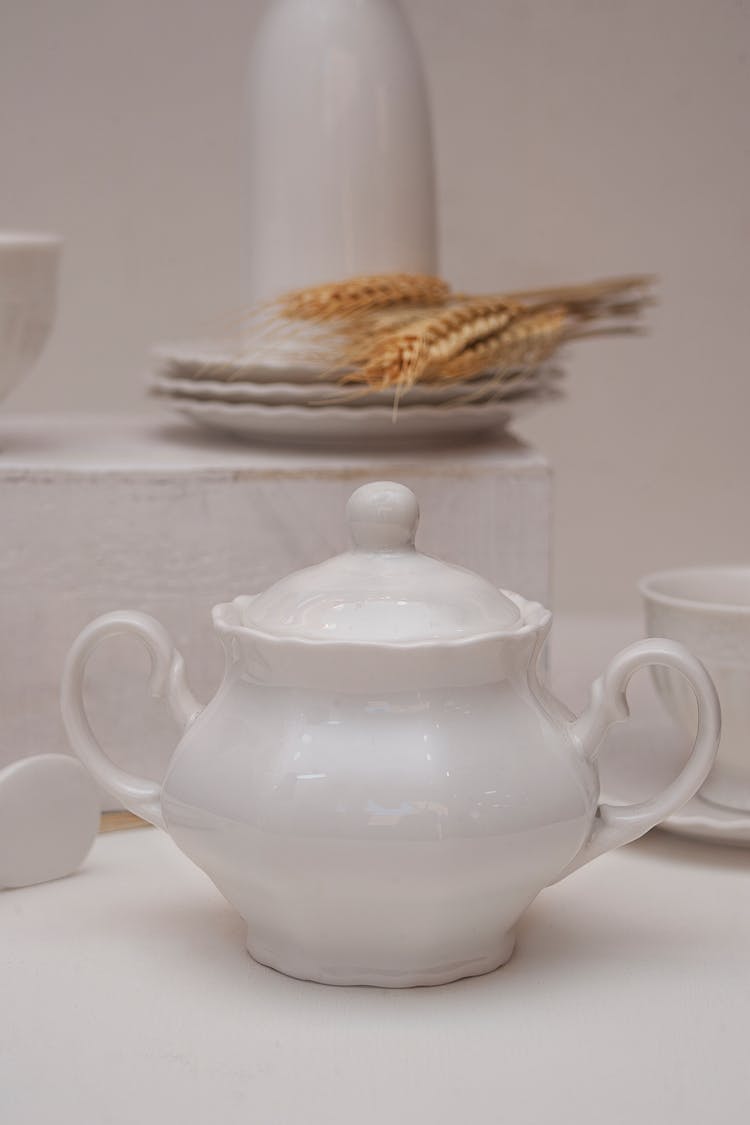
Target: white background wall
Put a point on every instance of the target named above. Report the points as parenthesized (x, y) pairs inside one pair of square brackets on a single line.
[(575, 138)]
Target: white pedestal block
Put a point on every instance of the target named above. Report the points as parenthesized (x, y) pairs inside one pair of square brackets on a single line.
[(103, 513)]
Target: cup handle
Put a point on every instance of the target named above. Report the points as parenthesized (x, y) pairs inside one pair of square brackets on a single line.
[(141, 795), (615, 825)]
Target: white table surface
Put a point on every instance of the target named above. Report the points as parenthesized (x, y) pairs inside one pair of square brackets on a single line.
[(126, 995)]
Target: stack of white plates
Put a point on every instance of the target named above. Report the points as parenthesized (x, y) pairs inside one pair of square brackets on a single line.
[(216, 387)]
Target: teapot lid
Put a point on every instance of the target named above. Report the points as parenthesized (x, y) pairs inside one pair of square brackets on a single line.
[(382, 589)]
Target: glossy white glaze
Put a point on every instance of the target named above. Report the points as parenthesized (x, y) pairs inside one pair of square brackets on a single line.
[(375, 840), (381, 811), (383, 589)]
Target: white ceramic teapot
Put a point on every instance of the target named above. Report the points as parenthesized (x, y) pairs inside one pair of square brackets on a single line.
[(382, 784)]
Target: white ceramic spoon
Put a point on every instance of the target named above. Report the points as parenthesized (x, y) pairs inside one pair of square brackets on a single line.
[(49, 817)]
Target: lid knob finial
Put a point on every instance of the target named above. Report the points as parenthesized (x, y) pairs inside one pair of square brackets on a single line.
[(383, 515)]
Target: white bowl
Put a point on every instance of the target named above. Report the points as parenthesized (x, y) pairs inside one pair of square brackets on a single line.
[(28, 299)]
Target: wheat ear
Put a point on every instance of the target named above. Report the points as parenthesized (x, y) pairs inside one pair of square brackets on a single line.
[(610, 291), (343, 299), (426, 345), (529, 339), (394, 330)]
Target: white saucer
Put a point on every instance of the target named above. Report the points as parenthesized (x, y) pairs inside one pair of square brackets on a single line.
[(316, 393), (223, 363), (322, 425), (641, 758), (222, 371), (704, 821)]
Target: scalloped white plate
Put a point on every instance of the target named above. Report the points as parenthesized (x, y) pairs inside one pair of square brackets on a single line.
[(316, 393), (325, 424), (220, 362), (216, 370)]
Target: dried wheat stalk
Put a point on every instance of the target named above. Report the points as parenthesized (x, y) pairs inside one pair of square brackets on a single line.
[(530, 339), (395, 330), (594, 295), (359, 294), (423, 348)]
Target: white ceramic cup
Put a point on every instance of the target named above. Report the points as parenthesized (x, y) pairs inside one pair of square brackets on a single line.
[(28, 298), (708, 610)]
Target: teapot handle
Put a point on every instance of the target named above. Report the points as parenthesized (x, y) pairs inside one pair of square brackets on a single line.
[(620, 824), (141, 795)]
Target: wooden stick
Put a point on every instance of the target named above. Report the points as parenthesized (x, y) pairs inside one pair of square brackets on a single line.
[(120, 819)]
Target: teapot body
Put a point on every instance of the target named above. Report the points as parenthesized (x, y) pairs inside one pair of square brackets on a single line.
[(384, 839), (383, 784)]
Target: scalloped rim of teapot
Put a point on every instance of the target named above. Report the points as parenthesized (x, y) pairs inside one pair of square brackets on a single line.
[(364, 665)]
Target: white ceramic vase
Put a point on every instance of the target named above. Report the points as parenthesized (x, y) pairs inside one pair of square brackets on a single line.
[(338, 147), (29, 266)]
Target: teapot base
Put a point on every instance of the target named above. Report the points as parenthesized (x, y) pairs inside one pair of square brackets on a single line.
[(294, 963)]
